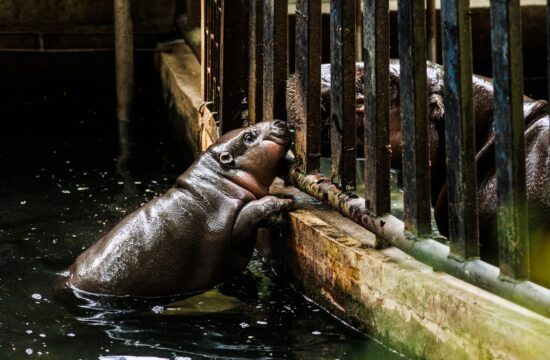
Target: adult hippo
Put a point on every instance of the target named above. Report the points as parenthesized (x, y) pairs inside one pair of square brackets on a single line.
[(200, 232), (536, 148)]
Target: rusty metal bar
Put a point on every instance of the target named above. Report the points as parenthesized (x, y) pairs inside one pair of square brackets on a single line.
[(124, 60), (431, 252), (255, 78), (275, 71), (308, 85), (343, 123), (509, 138), (432, 29), (460, 128), (414, 117), (376, 119), (234, 62)]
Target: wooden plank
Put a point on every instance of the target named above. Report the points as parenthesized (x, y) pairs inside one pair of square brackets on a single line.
[(343, 124), (308, 85), (234, 62), (376, 53), (460, 128), (275, 71), (509, 138), (255, 78), (414, 117)]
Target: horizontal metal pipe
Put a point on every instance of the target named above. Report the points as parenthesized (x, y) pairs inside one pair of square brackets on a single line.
[(428, 251)]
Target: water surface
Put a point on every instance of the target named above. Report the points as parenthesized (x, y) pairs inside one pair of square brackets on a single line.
[(59, 191)]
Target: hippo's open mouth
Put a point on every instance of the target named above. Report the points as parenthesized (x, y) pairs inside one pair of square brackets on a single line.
[(279, 133)]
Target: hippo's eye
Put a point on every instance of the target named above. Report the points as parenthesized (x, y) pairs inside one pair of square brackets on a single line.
[(249, 138)]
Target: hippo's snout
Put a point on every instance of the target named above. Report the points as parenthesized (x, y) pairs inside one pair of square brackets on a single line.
[(279, 132)]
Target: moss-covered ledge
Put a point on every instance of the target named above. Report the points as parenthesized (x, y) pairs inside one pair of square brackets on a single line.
[(396, 299)]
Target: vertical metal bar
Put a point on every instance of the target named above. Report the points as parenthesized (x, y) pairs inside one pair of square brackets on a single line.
[(204, 39), (343, 124), (234, 62), (308, 85), (548, 45), (275, 69), (414, 117), (509, 138), (255, 78), (460, 128), (432, 30), (124, 59), (358, 30), (376, 119)]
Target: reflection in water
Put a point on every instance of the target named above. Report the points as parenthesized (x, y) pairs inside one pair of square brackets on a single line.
[(57, 201)]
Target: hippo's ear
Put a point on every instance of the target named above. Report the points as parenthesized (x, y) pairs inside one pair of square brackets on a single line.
[(226, 158)]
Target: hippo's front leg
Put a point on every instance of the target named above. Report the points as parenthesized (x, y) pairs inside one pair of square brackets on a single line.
[(243, 238)]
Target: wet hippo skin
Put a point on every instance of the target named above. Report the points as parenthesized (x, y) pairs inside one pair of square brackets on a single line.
[(200, 232), (536, 147)]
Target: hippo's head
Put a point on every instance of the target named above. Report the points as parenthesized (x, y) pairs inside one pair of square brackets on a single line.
[(251, 156)]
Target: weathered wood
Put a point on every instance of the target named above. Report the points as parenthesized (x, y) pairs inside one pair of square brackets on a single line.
[(509, 138), (414, 117), (255, 78), (308, 85), (376, 53), (275, 71), (460, 128), (234, 62), (343, 123)]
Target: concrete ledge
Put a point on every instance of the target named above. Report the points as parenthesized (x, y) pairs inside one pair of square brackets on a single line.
[(181, 91), (399, 300)]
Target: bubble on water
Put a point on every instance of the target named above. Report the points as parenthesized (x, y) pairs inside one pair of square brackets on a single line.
[(244, 325), (71, 335), (66, 191), (42, 335), (23, 202), (82, 188), (316, 332), (28, 351), (260, 322), (28, 331), (36, 296), (137, 182)]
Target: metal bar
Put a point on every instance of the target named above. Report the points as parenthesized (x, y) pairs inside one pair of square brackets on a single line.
[(342, 102), (460, 128), (414, 117), (234, 62), (548, 46), (376, 119), (204, 37), (308, 85), (431, 252), (255, 78), (509, 138), (124, 60), (275, 58), (432, 29)]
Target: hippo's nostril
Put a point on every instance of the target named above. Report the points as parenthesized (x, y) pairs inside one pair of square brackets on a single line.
[(278, 124)]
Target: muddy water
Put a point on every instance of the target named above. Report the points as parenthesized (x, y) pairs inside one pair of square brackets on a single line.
[(59, 191)]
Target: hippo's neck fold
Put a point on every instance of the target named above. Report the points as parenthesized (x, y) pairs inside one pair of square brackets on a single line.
[(207, 172)]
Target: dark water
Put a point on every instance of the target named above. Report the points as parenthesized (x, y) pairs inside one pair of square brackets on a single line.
[(59, 191)]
